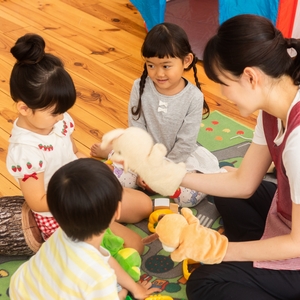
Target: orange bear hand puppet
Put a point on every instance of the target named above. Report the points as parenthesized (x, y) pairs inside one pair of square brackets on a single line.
[(187, 239)]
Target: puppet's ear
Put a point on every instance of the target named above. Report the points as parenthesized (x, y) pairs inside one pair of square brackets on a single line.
[(108, 137), (188, 214), (150, 238)]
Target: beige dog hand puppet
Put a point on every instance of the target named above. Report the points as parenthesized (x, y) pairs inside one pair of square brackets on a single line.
[(134, 148), (187, 239)]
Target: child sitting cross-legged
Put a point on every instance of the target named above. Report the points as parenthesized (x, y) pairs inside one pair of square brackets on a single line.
[(84, 197)]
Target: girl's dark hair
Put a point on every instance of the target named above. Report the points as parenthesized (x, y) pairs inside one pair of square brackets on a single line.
[(251, 41), (167, 40), (38, 78), (83, 197)]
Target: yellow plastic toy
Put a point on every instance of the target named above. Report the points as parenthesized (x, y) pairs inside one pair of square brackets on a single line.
[(159, 297), (188, 266), (155, 217)]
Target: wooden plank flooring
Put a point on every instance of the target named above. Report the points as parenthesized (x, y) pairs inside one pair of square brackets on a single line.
[(99, 42)]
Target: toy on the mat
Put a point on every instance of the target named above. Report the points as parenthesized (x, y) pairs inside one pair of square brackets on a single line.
[(156, 216), (188, 266), (128, 258), (159, 297), (161, 207), (19, 233), (130, 261), (183, 235), (135, 150)]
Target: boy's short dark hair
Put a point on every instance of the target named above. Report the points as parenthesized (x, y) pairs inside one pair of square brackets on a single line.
[(83, 197)]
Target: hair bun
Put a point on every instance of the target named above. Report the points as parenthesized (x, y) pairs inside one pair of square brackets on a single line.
[(291, 42), (29, 49)]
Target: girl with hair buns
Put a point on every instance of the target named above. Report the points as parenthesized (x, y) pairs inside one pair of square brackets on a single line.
[(41, 140), (169, 107), (256, 69)]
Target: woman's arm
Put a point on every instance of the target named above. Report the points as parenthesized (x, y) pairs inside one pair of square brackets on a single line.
[(277, 248), (239, 184), (242, 184)]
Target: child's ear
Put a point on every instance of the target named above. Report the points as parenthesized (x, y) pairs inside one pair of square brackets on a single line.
[(22, 108), (188, 60), (118, 211)]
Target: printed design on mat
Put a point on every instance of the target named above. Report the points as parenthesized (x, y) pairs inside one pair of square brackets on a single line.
[(8, 265), (224, 136)]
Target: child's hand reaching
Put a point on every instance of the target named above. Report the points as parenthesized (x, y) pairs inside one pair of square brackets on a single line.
[(122, 294), (138, 290), (143, 289), (141, 183)]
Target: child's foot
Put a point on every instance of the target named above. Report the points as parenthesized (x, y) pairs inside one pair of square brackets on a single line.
[(96, 150)]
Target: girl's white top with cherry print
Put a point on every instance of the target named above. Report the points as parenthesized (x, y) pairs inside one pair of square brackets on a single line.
[(30, 153)]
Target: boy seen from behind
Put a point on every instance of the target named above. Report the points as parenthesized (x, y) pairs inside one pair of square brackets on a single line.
[(84, 197)]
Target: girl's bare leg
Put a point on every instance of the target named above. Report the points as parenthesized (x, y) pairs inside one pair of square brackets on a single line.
[(131, 238), (135, 207)]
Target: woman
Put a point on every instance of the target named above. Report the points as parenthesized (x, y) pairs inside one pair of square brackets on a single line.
[(249, 58)]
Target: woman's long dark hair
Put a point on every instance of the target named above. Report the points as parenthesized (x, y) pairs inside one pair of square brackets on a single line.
[(251, 41)]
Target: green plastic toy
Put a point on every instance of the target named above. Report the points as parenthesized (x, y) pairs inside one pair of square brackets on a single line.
[(128, 258)]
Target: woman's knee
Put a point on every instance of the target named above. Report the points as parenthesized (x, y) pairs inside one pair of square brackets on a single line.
[(199, 281)]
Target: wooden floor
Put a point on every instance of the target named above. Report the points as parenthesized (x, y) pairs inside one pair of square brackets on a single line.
[(99, 42)]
